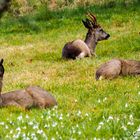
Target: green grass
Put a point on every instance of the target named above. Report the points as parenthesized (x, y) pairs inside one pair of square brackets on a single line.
[(87, 109)]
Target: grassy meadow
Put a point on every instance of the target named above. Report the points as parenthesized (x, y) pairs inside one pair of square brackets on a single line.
[(31, 46)]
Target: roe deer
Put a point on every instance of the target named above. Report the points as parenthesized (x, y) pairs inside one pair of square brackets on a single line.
[(32, 96), (116, 67), (79, 48)]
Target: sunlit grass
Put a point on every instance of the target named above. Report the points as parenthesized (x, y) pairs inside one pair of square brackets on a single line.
[(87, 108)]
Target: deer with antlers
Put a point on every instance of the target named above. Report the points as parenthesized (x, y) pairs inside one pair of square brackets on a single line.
[(32, 96), (79, 48), (116, 67)]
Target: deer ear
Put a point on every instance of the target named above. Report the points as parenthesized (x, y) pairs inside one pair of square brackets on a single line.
[(85, 24), (1, 61)]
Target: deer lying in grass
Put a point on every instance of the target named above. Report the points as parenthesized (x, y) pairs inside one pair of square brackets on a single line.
[(79, 48), (116, 67), (32, 96)]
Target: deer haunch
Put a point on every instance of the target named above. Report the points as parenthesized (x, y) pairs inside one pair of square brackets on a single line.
[(116, 67), (76, 49)]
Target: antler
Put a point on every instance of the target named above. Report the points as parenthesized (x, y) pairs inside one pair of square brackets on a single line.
[(93, 19)]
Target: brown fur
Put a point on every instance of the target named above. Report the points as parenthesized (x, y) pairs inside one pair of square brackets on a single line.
[(32, 96), (116, 67)]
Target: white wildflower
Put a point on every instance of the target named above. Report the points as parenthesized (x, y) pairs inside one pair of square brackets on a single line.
[(35, 138), (79, 113), (68, 114), (40, 131), (55, 107), (19, 118), (99, 101), (126, 105), (60, 118), (104, 99), (52, 138), (130, 123), (86, 114), (89, 118), (124, 128), (2, 123), (33, 135), (49, 117), (95, 138), (6, 127), (138, 129), (12, 123), (131, 117), (109, 118), (35, 126), (30, 123), (18, 129), (27, 117), (79, 132), (54, 124), (99, 127), (7, 136), (23, 135), (11, 132), (101, 123), (27, 138), (137, 132), (75, 101), (45, 126)]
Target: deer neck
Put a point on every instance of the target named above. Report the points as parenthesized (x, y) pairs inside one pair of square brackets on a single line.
[(0, 90), (90, 40)]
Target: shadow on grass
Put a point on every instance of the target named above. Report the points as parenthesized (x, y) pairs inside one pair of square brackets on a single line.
[(49, 56)]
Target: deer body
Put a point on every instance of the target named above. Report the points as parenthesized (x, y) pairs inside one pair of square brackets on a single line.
[(32, 96), (116, 67), (79, 48), (76, 49)]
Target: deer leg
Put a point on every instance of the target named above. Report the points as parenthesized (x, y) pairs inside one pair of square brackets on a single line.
[(13, 103), (81, 55), (95, 54)]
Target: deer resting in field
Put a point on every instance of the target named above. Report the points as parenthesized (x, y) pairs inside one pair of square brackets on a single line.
[(116, 67), (32, 96), (79, 48)]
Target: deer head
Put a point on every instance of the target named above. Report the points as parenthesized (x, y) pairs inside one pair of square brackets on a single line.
[(94, 28), (1, 77), (1, 68)]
